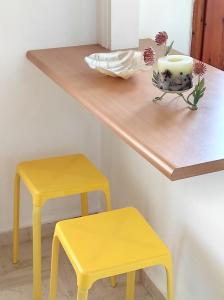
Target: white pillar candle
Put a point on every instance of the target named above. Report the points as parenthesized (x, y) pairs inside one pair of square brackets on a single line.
[(175, 73), (176, 64)]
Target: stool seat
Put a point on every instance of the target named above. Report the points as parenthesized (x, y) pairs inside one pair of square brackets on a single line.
[(60, 176), (119, 240), (108, 244)]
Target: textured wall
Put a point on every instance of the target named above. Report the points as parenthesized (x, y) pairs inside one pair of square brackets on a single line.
[(187, 215), (37, 118), (174, 16)]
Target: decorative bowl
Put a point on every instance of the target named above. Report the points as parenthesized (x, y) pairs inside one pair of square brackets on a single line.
[(122, 64)]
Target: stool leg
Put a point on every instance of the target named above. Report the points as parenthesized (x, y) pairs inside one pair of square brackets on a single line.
[(169, 274), (54, 268), (107, 198), (84, 204), (15, 251), (130, 292), (82, 294), (113, 281), (109, 207), (36, 253)]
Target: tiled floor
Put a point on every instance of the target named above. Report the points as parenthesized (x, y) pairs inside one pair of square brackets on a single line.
[(16, 280)]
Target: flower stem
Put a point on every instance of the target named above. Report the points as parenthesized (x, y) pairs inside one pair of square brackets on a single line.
[(191, 105), (169, 48), (159, 98)]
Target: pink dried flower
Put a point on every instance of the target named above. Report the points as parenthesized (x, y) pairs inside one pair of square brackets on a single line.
[(199, 68), (149, 56), (161, 38)]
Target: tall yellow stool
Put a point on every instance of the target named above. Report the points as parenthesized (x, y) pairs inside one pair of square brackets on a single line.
[(52, 178), (121, 241)]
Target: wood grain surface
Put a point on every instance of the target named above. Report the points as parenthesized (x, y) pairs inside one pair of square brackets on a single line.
[(179, 142), (213, 48), (198, 29), (16, 281)]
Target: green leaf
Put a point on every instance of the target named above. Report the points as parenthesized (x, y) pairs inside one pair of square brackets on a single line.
[(204, 89), (201, 84), (169, 48)]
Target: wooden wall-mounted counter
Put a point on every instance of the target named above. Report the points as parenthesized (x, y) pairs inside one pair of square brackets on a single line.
[(178, 142)]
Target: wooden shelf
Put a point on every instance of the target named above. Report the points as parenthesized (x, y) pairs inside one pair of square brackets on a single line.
[(178, 142)]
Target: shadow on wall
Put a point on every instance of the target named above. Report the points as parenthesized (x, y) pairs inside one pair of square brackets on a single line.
[(187, 215), (38, 120), (198, 264)]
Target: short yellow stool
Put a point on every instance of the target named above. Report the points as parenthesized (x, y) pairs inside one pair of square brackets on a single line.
[(52, 178), (108, 244)]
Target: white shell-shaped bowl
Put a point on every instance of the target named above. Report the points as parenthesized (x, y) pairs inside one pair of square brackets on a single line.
[(122, 64)]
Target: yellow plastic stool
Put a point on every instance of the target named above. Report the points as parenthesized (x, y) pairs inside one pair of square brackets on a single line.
[(52, 178), (108, 244)]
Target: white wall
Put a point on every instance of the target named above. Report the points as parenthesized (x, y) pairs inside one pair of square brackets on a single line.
[(117, 29), (187, 215), (103, 23), (37, 118), (173, 16), (124, 24)]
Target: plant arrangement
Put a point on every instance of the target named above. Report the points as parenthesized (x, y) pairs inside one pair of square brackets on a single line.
[(161, 39), (178, 83)]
